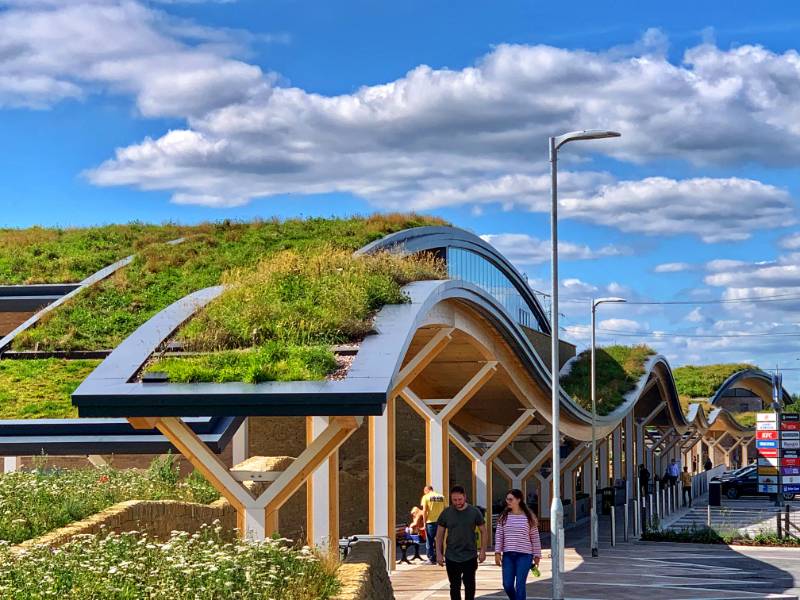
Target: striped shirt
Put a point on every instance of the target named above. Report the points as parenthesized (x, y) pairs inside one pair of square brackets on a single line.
[(516, 535)]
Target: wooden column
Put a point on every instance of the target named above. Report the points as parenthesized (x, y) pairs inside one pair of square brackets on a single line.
[(322, 492), (382, 474)]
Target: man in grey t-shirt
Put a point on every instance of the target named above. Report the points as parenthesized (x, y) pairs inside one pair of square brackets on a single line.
[(459, 521)]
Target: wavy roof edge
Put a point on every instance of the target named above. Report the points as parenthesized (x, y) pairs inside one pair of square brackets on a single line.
[(108, 391)]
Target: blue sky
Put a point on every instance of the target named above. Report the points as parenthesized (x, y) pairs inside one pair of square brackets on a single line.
[(191, 111)]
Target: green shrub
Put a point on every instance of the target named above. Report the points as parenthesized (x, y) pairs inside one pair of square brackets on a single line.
[(35, 502), (202, 566), (618, 369)]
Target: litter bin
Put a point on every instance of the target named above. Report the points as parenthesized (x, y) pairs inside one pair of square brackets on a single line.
[(607, 499), (715, 493)]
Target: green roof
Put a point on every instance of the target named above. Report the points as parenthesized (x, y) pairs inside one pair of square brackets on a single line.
[(618, 369), (703, 381)]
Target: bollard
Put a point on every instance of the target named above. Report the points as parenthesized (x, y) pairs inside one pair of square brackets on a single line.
[(787, 524), (613, 526), (780, 522), (649, 515), (625, 522), (658, 501), (708, 516)]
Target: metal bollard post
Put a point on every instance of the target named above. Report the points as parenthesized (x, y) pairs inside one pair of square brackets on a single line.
[(658, 501), (708, 516), (780, 522), (625, 522), (787, 524), (613, 526)]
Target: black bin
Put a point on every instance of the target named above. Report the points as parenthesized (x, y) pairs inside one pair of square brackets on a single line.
[(714, 493), (607, 499)]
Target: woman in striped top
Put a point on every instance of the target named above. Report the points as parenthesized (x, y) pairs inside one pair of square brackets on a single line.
[(516, 544)]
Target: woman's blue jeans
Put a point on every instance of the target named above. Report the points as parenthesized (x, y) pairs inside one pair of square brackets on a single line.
[(516, 567)]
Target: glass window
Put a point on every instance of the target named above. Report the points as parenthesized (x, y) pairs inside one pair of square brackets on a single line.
[(468, 266)]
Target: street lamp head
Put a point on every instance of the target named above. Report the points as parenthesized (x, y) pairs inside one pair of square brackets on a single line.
[(585, 134), (610, 300)]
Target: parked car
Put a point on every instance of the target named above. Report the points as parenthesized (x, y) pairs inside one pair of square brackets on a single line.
[(743, 482)]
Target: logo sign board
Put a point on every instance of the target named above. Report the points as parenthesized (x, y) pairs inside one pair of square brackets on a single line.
[(771, 462), (788, 435), (768, 416), (768, 435), (790, 417), (766, 444), (792, 480), (791, 453), (767, 479), (768, 452), (764, 488), (791, 489), (790, 426), (768, 470), (791, 444), (786, 462), (766, 426), (786, 470)]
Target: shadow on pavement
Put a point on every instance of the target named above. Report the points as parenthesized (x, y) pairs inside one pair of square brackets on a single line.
[(659, 570)]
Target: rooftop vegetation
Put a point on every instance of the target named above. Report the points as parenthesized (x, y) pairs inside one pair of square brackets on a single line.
[(55, 255), (703, 381), (102, 316), (618, 369), (41, 388), (287, 310), (35, 502), (202, 566)]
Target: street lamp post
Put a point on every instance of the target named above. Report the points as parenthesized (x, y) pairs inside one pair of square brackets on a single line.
[(556, 508), (593, 491)]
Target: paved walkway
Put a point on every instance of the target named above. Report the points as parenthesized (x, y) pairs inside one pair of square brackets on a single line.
[(653, 571), (633, 570)]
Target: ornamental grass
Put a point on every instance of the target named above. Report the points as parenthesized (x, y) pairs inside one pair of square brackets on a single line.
[(206, 565)]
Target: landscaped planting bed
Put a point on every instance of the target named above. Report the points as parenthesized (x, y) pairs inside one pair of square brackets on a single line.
[(105, 314), (618, 369), (705, 535), (35, 502), (203, 566)]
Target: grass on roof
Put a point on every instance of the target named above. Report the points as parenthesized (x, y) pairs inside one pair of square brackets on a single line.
[(703, 381), (102, 316), (288, 310), (54, 255), (40, 388), (618, 369)]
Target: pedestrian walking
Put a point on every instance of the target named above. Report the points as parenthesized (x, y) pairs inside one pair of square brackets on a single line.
[(686, 482), (433, 504), (674, 471), (708, 465), (644, 481), (460, 520), (516, 544)]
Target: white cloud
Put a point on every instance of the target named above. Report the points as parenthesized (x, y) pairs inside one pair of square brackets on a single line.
[(433, 138), (791, 242), (523, 249), (673, 267), (713, 209), (52, 51)]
